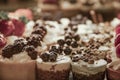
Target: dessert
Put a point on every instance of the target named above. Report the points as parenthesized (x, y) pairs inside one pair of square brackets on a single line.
[(51, 66), (16, 54), (51, 50), (17, 57), (86, 66)]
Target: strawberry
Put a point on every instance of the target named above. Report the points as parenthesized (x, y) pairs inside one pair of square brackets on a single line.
[(24, 12), (19, 27), (117, 29), (118, 50), (117, 39), (6, 27), (3, 41)]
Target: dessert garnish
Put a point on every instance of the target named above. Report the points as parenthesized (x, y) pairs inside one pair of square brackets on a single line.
[(49, 57)]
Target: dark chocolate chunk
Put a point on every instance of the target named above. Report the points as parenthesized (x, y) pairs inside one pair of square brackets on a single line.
[(34, 40), (29, 48), (54, 49), (61, 42), (60, 49), (74, 44), (77, 37), (7, 52), (53, 56), (67, 51), (33, 54), (45, 57), (18, 46), (68, 41)]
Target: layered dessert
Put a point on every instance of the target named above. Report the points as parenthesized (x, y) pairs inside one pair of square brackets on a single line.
[(87, 66), (18, 53), (51, 50), (16, 57), (51, 66)]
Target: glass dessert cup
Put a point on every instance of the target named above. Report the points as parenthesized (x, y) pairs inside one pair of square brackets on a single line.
[(17, 70)]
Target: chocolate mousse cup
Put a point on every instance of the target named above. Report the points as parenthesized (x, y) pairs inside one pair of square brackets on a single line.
[(58, 70), (17, 71), (18, 62), (88, 71)]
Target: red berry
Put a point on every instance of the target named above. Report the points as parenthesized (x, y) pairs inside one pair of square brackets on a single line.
[(3, 41), (118, 50), (19, 27), (117, 29), (24, 12), (6, 27), (117, 40)]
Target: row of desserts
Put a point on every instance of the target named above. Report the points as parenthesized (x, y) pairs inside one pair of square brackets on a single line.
[(80, 4), (55, 47), (87, 45)]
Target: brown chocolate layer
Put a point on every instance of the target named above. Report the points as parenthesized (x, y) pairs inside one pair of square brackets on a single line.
[(51, 75), (98, 76)]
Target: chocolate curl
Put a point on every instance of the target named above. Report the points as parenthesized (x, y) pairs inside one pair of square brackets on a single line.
[(94, 16), (100, 18)]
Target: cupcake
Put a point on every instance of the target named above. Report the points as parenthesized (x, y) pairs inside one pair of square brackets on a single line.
[(88, 62), (17, 61), (51, 66), (87, 68), (113, 70)]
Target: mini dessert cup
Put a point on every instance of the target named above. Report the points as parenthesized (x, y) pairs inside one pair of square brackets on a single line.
[(84, 71), (17, 62), (17, 71), (113, 71), (58, 70)]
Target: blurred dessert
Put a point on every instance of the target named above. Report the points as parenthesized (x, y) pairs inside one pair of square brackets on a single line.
[(52, 66), (69, 4), (17, 52), (17, 57)]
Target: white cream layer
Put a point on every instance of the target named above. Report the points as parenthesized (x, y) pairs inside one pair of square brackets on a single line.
[(62, 63), (82, 67), (21, 58)]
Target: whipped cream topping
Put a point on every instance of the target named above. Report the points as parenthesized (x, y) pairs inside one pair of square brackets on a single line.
[(21, 58), (11, 39), (28, 28), (53, 33), (104, 48), (62, 63), (115, 22), (82, 67)]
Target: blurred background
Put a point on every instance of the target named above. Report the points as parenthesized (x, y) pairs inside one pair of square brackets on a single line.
[(64, 8)]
